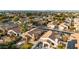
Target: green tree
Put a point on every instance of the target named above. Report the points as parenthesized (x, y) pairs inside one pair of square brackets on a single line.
[(27, 46), (23, 27), (16, 18), (60, 46)]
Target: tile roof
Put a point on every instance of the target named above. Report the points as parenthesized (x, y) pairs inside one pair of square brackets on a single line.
[(8, 25), (49, 34), (16, 29), (35, 31), (75, 36)]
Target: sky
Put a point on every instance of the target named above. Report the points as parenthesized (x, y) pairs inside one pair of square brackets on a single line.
[(39, 5)]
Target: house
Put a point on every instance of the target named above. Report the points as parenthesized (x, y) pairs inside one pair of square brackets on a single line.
[(76, 20), (38, 45), (10, 14), (1, 41), (33, 34), (68, 21), (51, 25), (18, 44), (48, 38), (50, 18), (11, 32), (5, 40), (10, 26), (76, 26), (62, 27)]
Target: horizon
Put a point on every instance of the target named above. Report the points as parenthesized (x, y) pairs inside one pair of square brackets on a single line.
[(41, 10)]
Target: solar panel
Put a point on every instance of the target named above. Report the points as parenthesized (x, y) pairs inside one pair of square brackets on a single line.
[(71, 44)]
